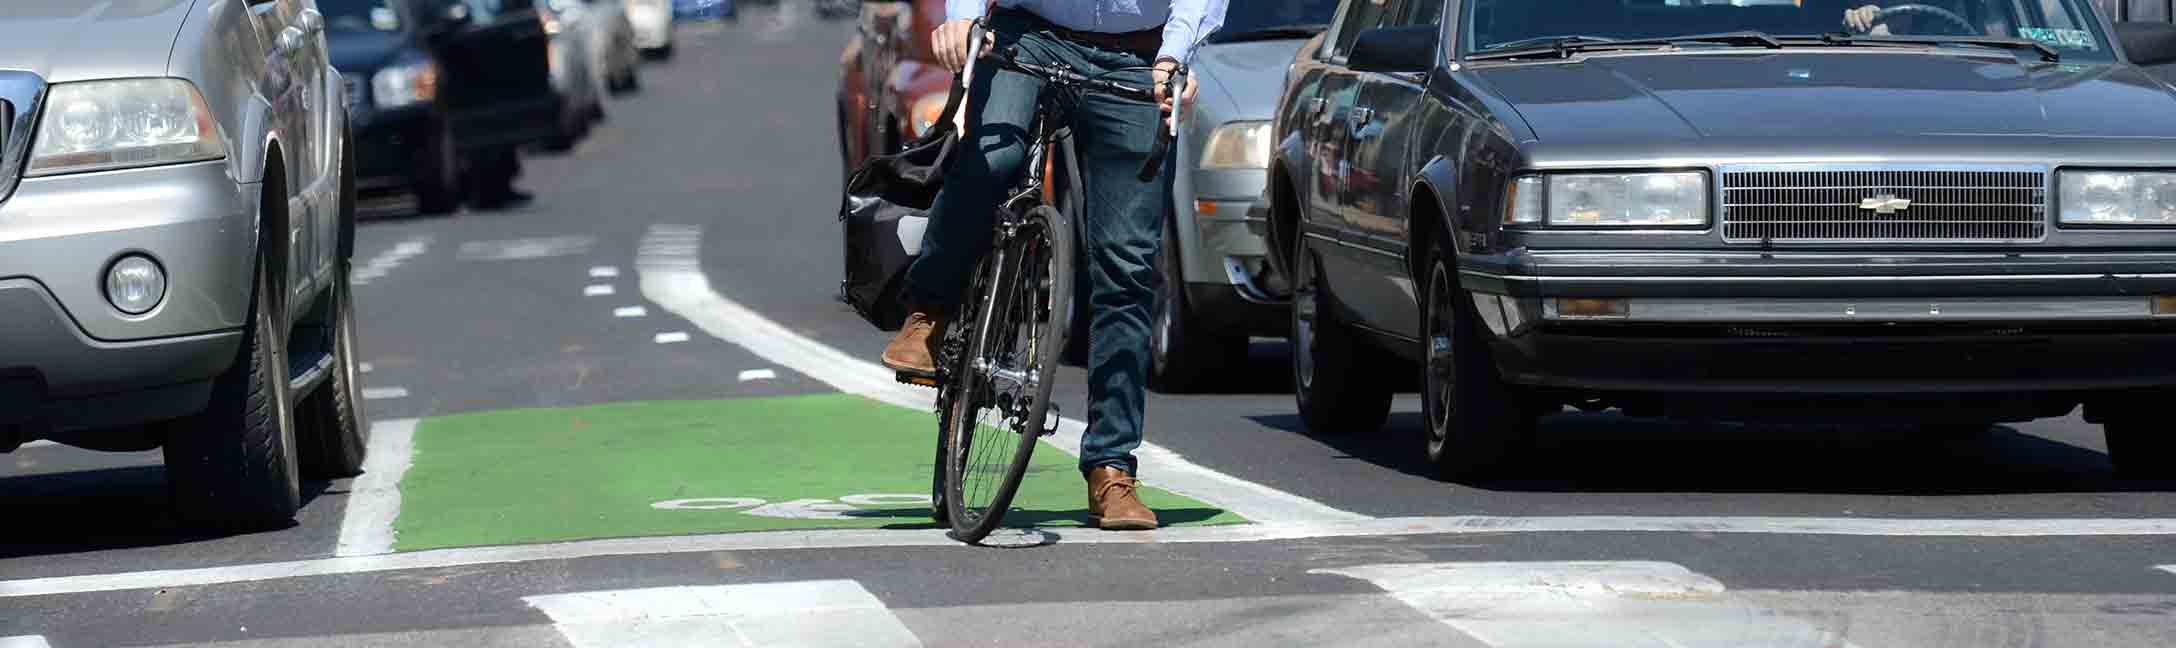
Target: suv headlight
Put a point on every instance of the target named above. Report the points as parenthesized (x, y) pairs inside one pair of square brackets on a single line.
[(2118, 198), (98, 125), (406, 84), (1237, 145), (1672, 199)]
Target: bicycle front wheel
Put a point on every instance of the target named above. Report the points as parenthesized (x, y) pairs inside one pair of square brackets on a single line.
[(1000, 404)]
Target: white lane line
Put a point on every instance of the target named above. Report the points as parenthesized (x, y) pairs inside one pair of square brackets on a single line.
[(374, 498), (365, 367), (387, 260), (525, 248), (384, 393), (804, 613), (24, 641), (674, 337), (758, 374), (604, 272), (673, 278), (868, 538), (1633, 603), (630, 312), (597, 290), (2167, 568)]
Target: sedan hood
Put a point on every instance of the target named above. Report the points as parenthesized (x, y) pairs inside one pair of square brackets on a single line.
[(73, 40), (1249, 73), (1831, 95)]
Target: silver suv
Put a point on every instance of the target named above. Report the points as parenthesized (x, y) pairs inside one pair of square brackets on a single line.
[(176, 218)]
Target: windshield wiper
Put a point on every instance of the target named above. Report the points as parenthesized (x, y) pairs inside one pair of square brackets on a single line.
[(2046, 53), (1272, 32), (1564, 46)]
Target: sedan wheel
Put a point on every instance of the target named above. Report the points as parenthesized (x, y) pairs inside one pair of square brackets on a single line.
[(1336, 377), (1476, 422)]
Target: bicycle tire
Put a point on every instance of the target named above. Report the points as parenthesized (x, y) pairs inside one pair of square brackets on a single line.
[(1021, 284)]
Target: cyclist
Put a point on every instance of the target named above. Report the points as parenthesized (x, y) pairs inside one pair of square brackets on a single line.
[(1121, 214)]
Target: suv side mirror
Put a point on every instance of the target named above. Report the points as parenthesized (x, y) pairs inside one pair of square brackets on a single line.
[(1410, 48), (2148, 43)]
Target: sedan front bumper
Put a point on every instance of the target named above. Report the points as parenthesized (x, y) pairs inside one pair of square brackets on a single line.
[(1829, 324)]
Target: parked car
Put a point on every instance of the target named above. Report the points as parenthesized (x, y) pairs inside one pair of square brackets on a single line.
[(1741, 220), (407, 62), (890, 85), (652, 21), (1218, 287), (175, 236), (580, 67)]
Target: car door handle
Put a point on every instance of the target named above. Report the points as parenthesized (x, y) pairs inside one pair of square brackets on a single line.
[(311, 21), (1359, 116), (290, 40)]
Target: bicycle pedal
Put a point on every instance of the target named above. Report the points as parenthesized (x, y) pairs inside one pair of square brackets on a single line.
[(1050, 420), (916, 380)]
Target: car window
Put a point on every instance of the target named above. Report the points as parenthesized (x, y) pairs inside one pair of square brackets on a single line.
[(1423, 12), (1358, 16), (359, 15), (2066, 25), (1267, 19)]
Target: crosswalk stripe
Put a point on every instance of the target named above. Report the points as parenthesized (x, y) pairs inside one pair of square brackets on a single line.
[(25, 641), (1626, 603), (803, 613)]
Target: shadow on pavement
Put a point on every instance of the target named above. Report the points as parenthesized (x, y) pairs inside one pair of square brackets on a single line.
[(1580, 452), (1024, 518), (59, 513)]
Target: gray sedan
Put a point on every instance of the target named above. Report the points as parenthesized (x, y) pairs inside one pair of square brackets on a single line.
[(176, 217), (1217, 288)]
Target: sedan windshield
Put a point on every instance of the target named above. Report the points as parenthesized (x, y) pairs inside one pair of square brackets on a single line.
[(1274, 19), (359, 15), (2066, 26)]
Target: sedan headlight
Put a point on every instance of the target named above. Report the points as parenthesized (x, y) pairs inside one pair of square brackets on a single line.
[(96, 125), (2118, 198), (1674, 199), (404, 85), (1237, 145)]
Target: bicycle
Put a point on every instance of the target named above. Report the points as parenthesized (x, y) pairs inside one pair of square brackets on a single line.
[(993, 370)]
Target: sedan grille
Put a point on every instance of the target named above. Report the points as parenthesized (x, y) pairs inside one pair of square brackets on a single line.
[(1889, 206)]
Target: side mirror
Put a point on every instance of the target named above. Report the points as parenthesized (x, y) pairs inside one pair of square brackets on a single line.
[(2148, 43), (1394, 49)]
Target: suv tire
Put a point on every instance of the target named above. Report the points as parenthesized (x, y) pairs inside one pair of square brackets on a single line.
[(1337, 378), (1476, 423), (330, 421), (1184, 357), (233, 466)]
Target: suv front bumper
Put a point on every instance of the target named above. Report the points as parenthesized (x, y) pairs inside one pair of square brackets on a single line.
[(1830, 323)]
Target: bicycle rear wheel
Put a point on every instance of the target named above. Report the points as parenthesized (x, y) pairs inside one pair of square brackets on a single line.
[(1001, 398)]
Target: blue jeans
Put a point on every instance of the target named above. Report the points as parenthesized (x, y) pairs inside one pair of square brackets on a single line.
[(1111, 137)]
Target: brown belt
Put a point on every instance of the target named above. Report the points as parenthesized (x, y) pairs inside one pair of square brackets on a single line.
[(1144, 43)]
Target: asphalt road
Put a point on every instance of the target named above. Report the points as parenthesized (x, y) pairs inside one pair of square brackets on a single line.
[(712, 193)]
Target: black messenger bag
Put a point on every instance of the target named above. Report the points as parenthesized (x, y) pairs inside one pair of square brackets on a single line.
[(885, 210)]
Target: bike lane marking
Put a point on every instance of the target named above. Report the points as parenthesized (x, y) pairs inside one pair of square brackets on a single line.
[(366, 526), (814, 614), (24, 641), (671, 275)]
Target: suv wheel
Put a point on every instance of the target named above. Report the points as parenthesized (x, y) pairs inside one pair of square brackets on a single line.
[(234, 465), (1185, 356), (2141, 447), (1476, 422), (330, 420), (1337, 378)]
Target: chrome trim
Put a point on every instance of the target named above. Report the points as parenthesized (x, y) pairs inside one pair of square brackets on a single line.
[(1823, 203), (22, 94), (1749, 311), (1344, 243), (1801, 279)]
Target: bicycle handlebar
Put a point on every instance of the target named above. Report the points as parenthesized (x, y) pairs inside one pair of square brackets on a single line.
[(1065, 77)]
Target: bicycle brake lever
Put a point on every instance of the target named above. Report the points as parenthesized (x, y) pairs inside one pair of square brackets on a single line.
[(1174, 85)]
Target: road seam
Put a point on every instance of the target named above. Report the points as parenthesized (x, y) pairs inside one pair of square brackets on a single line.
[(671, 275), (366, 528)]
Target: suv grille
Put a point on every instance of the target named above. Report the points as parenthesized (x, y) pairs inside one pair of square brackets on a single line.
[(1892, 206)]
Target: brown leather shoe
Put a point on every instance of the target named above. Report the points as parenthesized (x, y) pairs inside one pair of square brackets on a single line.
[(1112, 503), (914, 350)]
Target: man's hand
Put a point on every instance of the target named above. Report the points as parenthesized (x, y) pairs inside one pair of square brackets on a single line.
[(950, 41), (1162, 78), (1861, 20)]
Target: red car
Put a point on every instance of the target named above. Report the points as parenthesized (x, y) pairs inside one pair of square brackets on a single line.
[(890, 85)]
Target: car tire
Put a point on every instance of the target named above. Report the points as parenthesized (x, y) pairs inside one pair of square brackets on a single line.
[(1337, 378), (1184, 357), (437, 185), (233, 466), (329, 422), (661, 53), (2141, 447), (1476, 422)]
